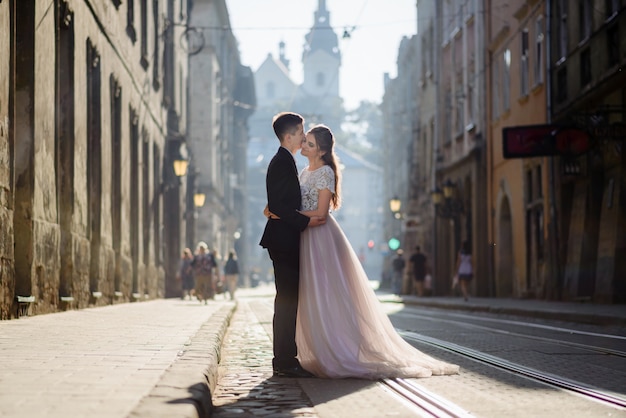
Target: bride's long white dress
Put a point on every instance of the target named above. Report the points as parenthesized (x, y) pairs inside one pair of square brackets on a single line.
[(341, 329)]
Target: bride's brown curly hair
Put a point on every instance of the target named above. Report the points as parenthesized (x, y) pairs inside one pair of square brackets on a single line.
[(326, 142)]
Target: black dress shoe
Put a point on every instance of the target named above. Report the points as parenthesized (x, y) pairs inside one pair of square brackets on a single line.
[(297, 371)]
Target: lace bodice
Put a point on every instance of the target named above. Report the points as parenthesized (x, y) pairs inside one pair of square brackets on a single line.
[(311, 182)]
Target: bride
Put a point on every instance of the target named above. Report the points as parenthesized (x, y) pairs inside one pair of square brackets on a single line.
[(341, 328)]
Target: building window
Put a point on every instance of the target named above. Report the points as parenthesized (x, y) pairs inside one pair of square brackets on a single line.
[(539, 243), (447, 127), (470, 99), (431, 51), (562, 28), (561, 85), (506, 80), (585, 67), (611, 7), (145, 195), (320, 80), (470, 8), (144, 34), (130, 20), (270, 90), (529, 186), (539, 37), (612, 44), (585, 13), (539, 181), (425, 60), (495, 90), (156, 205), (524, 83), (156, 83), (459, 114)]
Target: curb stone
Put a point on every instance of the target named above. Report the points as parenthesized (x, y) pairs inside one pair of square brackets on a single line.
[(186, 387)]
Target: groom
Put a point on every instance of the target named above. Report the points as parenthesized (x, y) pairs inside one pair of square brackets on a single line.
[(282, 240)]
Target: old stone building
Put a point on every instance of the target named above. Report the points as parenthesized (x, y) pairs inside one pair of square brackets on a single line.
[(546, 222), (519, 192), (587, 59), (92, 111), (438, 103), (221, 98)]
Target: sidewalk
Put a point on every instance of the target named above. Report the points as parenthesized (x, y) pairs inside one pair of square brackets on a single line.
[(160, 358), (577, 312), (112, 361)]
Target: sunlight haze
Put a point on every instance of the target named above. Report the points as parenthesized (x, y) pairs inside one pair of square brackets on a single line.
[(376, 28)]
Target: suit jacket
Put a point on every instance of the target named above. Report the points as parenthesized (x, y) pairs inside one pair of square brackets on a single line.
[(283, 199)]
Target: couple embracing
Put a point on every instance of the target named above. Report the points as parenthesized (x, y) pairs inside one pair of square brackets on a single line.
[(327, 320)]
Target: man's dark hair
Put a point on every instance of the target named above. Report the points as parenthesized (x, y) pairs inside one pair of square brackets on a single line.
[(286, 122)]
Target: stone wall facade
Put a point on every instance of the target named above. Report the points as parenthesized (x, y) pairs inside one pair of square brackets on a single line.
[(92, 112)]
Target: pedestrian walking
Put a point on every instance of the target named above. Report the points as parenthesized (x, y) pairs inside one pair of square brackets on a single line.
[(185, 274), (398, 266), (419, 265), (464, 269), (231, 274), (204, 266)]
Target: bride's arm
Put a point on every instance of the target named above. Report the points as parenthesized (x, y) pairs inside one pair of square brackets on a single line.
[(323, 205)]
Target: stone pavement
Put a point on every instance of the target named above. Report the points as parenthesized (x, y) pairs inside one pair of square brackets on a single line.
[(577, 312), (112, 361), (162, 358)]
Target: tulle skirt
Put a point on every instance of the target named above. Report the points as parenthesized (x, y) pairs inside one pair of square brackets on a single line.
[(342, 330)]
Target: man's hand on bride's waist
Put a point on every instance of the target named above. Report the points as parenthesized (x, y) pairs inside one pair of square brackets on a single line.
[(317, 221)]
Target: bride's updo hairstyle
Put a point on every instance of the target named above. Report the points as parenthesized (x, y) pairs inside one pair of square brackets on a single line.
[(326, 142)]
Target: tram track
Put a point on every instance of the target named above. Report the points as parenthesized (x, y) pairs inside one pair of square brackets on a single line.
[(560, 342), (427, 404), (549, 379)]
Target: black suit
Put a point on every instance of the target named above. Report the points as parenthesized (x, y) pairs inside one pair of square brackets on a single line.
[(282, 240)]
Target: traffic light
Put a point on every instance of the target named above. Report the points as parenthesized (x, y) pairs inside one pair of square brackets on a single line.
[(394, 244), (370, 244)]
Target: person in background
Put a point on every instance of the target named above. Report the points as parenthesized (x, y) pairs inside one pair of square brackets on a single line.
[(204, 266), (464, 269), (418, 261), (398, 265), (218, 280), (185, 274), (231, 274)]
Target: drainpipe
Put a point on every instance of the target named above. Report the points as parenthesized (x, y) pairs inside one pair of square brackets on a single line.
[(433, 175), (554, 227)]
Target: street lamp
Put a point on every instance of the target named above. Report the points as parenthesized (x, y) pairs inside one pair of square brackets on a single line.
[(180, 167), (395, 204), (198, 199), (447, 205)]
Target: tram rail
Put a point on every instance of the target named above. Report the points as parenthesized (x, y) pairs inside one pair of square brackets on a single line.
[(427, 404), (591, 348), (549, 379)]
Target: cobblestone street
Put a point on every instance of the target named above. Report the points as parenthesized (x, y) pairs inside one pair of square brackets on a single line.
[(246, 386)]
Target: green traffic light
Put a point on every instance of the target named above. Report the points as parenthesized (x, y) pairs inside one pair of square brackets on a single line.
[(394, 244)]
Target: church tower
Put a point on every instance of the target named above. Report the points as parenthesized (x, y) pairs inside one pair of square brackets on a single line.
[(321, 58)]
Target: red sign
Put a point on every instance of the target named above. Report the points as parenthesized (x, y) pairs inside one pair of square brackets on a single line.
[(543, 141), (572, 141)]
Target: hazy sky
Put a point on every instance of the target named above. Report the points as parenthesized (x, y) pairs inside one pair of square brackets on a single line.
[(372, 49)]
